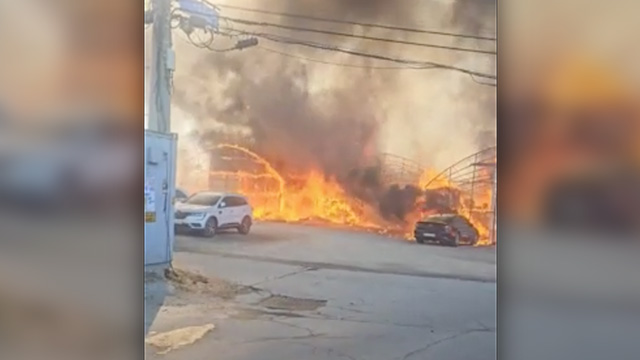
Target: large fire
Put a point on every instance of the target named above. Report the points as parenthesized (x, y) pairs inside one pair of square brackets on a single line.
[(475, 204), (310, 197), (313, 197)]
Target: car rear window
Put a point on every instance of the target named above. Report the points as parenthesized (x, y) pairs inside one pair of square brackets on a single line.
[(235, 201), (240, 201), (203, 199), (440, 218)]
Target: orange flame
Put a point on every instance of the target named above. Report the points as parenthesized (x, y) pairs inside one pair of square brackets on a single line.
[(312, 197), (430, 179), (260, 160), (474, 204)]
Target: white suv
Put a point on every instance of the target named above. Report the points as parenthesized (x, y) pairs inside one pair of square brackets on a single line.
[(207, 212)]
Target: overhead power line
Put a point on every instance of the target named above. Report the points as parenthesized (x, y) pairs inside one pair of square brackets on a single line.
[(486, 83), (416, 64), (207, 43), (345, 22), (364, 37), (324, 62), (304, 58)]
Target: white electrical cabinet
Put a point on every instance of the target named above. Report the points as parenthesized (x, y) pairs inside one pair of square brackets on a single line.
[(159, 191)]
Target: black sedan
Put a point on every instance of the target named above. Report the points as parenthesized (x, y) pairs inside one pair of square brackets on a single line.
[(447, 229)]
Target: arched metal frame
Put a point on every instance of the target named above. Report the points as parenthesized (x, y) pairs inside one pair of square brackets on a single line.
[(399, 170), (474, 176)]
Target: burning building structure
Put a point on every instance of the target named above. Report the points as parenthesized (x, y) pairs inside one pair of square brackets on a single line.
[(311, 141)]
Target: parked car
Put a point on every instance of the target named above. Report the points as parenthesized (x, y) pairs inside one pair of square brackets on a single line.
[(446, 229), (181, 196), (207, 212)]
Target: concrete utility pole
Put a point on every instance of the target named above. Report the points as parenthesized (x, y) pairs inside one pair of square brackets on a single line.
[(162, 66)]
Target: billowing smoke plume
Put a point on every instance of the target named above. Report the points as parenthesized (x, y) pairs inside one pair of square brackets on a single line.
[(303, 115)]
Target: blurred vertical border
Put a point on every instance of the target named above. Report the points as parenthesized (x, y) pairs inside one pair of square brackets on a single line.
[(569, 193), (71, 170)]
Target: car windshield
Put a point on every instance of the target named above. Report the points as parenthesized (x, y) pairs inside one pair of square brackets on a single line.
[(203, 199)]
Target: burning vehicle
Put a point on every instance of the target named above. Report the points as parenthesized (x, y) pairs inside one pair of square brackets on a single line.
[(443, 221), (446, 229)]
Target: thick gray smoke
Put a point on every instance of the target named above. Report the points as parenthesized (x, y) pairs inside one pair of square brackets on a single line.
[(287, 122), (301, 115), (475, 16)]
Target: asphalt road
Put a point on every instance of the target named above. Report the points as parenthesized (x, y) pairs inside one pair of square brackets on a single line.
[(317, 293)]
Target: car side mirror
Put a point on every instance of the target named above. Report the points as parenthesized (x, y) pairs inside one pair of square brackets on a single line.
[(222, 205)]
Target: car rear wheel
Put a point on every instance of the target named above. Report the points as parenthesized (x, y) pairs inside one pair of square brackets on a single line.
[(245, 226), (211, 227)]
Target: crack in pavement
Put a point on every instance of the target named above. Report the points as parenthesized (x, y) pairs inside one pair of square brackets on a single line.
[(304, 328), (440, 341), (355, 311), (281, 338), (293, 273), (310, 334), (386, 323), (329, 266), (324, 317), (484, 327)]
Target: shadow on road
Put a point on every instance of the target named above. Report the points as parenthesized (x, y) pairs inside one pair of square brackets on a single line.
[(232, 235)]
